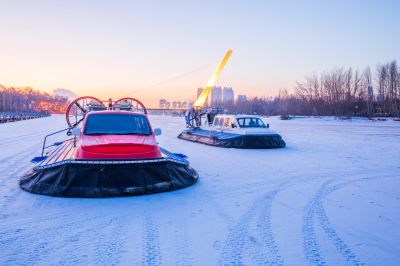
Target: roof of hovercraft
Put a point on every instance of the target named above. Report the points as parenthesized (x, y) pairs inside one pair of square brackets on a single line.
[(115, 112), (237, 116)]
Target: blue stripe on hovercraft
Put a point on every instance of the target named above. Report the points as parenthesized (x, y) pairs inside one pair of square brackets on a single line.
[(178, 157)]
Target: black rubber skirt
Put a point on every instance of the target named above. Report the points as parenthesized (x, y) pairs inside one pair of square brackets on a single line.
[(91, 179), (228, 140)]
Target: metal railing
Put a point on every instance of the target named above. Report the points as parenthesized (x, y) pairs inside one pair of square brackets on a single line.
[(44, 147)]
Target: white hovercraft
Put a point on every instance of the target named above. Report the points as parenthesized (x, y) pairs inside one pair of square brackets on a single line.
[(230, 131)]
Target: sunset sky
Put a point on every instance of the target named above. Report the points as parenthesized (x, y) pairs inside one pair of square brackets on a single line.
[(166, 49)]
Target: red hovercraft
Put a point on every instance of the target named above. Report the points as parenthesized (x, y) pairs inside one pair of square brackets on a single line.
[(111, 151)]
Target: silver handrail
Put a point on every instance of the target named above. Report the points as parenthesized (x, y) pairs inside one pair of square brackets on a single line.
[(51, 134)]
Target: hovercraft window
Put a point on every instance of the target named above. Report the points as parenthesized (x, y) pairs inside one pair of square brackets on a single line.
[(117, 124), (251, 122), (227, 122)]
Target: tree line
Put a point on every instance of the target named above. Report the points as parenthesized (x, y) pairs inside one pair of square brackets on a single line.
[(26, 99), (340, 92)]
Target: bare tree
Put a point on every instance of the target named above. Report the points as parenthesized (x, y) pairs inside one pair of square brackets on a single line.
[(394, 88)]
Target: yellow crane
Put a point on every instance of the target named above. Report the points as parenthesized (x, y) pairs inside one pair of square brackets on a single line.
[(193, 115), (201, 100)]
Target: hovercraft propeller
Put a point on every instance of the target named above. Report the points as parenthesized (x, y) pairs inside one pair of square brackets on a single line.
[(78, 108)]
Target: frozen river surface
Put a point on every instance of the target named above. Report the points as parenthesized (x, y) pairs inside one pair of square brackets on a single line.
[(331, 197)]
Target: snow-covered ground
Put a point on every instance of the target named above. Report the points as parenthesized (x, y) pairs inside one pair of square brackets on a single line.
[(331, 197)]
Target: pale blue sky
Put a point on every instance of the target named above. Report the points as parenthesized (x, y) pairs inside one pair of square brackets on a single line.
[(117, 48)]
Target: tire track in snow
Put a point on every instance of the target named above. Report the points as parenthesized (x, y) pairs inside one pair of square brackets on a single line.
[(44, 242), (237, 231), (183, 245), (311, 247), (270, 255), (151, 243), (239, 240), (32, 231), (16, 174), (12, 173), (109, 247), (341, 246), (315, 209), (75, 250), (77, 246), (24, 230)]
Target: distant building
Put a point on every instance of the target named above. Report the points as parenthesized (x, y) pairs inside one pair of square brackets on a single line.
[(220, 96), (216, 96), (228, 96), (241, 99), (165, 104), (161, 103)]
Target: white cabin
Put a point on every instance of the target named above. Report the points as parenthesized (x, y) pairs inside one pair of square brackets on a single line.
[(239, 124)]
